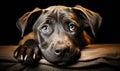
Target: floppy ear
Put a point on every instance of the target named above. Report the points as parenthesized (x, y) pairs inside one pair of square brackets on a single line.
[(89, 18), (27, 20)]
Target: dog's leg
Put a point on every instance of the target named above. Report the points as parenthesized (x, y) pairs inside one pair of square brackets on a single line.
[(28, 53)]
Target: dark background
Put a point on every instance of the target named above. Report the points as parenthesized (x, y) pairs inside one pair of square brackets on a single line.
[(109, 31)]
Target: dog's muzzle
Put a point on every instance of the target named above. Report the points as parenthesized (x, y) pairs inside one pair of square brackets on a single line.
[(61, 53)]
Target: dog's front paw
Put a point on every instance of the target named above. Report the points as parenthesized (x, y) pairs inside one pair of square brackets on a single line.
[(28, 53)]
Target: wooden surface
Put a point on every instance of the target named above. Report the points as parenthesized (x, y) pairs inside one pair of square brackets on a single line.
[(92, 57)]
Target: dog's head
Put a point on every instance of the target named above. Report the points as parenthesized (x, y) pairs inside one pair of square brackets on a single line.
[(60, 30)]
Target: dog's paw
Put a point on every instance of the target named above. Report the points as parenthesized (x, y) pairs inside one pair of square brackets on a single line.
[(28, 53)]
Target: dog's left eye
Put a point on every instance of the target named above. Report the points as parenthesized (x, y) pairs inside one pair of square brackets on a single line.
[(72, 27)]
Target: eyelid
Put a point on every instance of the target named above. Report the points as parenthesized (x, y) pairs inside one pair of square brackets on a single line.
[(75, 23), (41, 26), (44, 26), (71, 20)]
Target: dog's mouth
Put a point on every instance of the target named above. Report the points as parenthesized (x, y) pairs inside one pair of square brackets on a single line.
[(68, 56)]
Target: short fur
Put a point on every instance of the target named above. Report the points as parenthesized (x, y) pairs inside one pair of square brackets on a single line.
[(57, 33)]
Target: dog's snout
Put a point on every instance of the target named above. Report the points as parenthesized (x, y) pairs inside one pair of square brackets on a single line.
[(61, 45), (60, 49)]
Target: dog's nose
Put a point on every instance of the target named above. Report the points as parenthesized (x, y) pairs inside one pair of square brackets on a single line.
[(59, 50)]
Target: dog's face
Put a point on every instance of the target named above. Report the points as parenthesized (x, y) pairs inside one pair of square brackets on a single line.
[(60, 31)]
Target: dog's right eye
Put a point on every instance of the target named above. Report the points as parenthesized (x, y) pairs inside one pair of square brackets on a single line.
[(45, 29)]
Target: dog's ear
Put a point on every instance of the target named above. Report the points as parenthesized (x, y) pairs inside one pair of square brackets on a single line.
[(26, 21), (89, 18)]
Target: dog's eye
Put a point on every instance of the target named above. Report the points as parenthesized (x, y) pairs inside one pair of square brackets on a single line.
[(45, 28), (72, 27)]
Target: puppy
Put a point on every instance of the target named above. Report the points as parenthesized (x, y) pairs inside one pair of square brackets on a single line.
[(58, 33)]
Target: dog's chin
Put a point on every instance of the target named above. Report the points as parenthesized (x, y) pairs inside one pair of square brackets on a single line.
[(65, 59)]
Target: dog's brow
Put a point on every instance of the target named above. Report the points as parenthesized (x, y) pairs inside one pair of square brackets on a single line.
[(50, 20), (74, 22), (71, 19)]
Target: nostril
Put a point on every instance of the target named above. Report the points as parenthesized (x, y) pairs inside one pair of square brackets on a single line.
[(59, 50)]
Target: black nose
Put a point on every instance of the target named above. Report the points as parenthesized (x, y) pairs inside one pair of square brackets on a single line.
[(60, 50)]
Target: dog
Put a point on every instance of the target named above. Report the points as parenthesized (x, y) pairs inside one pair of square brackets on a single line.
[(57, 34)]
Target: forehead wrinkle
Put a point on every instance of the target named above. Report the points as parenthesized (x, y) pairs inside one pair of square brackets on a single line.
[(60, 14), (57, 12)]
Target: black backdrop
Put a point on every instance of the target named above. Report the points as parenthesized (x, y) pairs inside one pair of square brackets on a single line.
[(109, 31)]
